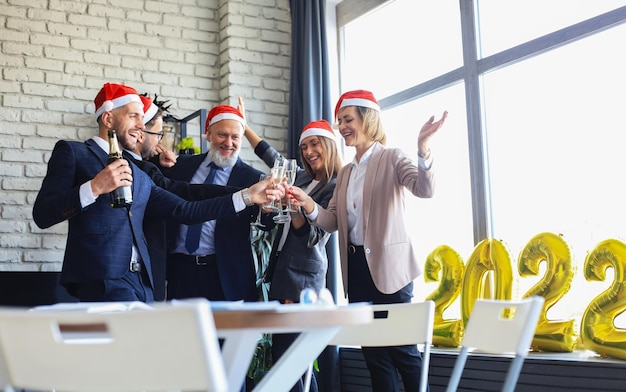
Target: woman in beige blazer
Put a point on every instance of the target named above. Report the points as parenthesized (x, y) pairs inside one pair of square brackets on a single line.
[(378, 263)]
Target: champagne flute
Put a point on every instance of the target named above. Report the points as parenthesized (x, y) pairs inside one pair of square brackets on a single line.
[(257, 222), (291, 169), (278, 172), (283, 216)]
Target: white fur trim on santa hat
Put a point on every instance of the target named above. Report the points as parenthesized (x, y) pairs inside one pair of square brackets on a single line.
[(317, 132), (149, 115), (227, 116), (359, 102), (109, 105)]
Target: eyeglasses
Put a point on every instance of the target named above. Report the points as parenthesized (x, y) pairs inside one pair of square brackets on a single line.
[(159, 134)]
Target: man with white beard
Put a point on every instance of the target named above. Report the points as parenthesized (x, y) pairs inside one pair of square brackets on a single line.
[(214, 260)]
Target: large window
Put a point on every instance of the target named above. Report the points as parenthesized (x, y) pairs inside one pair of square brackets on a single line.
[(393, 48), (537, 99)]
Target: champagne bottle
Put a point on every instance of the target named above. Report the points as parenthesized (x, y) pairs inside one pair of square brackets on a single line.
[(122, 196)]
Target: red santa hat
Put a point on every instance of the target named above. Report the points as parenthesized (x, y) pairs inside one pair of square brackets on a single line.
[(113, 96), (149, 109), (318, 128), (361, 98), (224, 112)]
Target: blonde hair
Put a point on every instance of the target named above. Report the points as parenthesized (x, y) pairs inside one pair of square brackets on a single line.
[(372, 124)]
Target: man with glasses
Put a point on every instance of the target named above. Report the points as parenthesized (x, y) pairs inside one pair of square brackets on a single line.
[(146, 147), (107, 257), (148, 143)]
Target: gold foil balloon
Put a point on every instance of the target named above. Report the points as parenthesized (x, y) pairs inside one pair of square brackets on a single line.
[(598, 331), (490, 255), (557, 336), (445, 265)]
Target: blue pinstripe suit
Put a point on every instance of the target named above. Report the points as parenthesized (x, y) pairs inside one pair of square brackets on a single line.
[(100, 238)]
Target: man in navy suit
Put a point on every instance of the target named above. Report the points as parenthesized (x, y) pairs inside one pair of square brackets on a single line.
[(139, 151), (218, 264), (106, 255)]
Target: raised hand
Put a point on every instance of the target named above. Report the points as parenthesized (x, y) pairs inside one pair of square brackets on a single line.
[(428, 130), (166, 157)]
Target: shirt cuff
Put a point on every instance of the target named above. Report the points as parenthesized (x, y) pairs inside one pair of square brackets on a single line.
[(425, 164), (86, 195), (313, 215), (238, 202)]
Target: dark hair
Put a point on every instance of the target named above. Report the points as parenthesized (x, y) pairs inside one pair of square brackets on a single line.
[(163, 110)]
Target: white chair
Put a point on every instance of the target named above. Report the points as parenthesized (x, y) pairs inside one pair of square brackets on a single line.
[(395, 325), (164, 348), (499, 327)]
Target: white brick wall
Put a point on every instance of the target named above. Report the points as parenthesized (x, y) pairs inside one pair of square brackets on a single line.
[(56, 54)]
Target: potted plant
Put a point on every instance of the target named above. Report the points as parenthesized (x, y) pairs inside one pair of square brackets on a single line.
[(261, 249), (185, 146)]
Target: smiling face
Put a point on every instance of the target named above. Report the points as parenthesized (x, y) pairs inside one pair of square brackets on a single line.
[(350, 125), (151, 137), (127, 122), (224, 139), (314, 154)]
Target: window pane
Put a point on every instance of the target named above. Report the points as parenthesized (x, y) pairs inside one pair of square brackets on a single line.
[(504, 24), (401, 44), (445, 219), (555, 126)]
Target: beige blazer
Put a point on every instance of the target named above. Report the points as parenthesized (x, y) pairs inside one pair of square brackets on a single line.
[(388, 248)]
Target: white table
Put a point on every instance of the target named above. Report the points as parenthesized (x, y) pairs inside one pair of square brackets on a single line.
[(241, 327)]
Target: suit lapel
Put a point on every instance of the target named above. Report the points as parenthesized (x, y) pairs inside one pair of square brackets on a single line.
[(186, 168), (236, 175), (95, 149), (369, 182), (318, 189)]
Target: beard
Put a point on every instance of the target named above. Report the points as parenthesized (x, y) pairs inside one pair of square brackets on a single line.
[(220, 160), (125, 141), (147, 153)]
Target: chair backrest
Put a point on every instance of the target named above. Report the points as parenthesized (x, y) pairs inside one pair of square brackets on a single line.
[(499, 327), (163, 348), (394, 325), (502, 327)]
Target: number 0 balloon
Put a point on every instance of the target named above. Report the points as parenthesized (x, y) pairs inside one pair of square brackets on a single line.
[(488, 255)]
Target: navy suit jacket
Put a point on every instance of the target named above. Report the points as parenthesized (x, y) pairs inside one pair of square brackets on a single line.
[(154, 228), (100, 238), (235, 262)]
